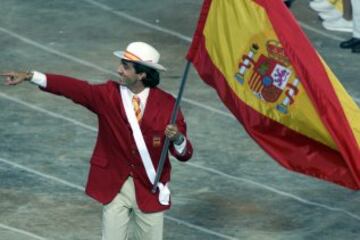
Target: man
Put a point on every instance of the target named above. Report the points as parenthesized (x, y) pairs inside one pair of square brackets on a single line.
[(134, 118), (333, 18), (354, 42)]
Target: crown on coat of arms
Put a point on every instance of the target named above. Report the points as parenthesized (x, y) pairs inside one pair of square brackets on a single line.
[(277, 52)]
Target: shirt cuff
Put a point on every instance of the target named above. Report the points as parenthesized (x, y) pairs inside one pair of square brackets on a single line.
[(39, 79), (181, 147)]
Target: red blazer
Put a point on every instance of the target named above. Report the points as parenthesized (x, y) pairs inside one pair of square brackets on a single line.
[(115, 156)]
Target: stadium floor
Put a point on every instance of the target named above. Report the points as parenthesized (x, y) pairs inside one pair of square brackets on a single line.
[(230, 189)]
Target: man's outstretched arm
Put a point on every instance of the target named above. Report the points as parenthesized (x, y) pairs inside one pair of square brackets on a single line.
[(79, 91)]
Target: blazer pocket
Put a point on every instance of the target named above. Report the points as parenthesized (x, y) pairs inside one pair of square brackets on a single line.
[(99, 161)]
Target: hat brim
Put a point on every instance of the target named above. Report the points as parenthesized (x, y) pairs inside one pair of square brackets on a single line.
[(121, 54)]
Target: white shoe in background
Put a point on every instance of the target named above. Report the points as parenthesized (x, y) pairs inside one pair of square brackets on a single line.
[(321, 6), (340, 24), (333, 14)]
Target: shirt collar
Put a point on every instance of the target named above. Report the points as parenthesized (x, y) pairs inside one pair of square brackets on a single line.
[(143, 95)]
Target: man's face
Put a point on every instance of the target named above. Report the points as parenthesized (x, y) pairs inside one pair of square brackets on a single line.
[(128, 76)]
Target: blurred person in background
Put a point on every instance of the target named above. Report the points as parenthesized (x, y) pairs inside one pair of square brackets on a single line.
[(354, 42), (288, 3), (333, 18)]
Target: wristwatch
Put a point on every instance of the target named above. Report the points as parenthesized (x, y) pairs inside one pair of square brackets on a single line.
[(180, 140)]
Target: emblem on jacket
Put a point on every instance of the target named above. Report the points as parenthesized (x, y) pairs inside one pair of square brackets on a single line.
[(271, 77), (156, 141)]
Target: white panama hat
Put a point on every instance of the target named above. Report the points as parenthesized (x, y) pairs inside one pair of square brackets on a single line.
[(141, 53)]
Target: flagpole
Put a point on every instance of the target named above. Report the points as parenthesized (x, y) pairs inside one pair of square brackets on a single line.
[(165, 148)]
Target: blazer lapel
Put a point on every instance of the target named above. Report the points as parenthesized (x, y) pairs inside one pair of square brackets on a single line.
[(151, 110), (119, 104)]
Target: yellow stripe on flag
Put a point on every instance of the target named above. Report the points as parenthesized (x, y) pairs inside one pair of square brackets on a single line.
[(350, 108)]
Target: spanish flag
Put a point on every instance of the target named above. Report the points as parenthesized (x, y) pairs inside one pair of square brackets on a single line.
[(265, 70)]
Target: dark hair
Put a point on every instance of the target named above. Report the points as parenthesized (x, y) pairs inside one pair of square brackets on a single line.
[(152, 78)]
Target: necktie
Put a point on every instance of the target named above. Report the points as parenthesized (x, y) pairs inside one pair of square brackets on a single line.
[(137, 109)]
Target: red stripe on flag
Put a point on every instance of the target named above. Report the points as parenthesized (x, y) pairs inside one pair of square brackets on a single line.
[(315, 80)]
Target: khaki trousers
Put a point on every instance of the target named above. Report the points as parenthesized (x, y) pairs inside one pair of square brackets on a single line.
[(118, 213)]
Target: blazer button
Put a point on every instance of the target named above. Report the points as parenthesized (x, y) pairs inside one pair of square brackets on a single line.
[(133, 151), (131, 173)]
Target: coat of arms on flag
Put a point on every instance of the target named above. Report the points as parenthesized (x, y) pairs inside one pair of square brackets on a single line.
[(269, 75)]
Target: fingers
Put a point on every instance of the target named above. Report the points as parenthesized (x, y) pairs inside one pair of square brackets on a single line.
[(172, 132), (9, 81), (171, 128), (13, 78), (7, 74)]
